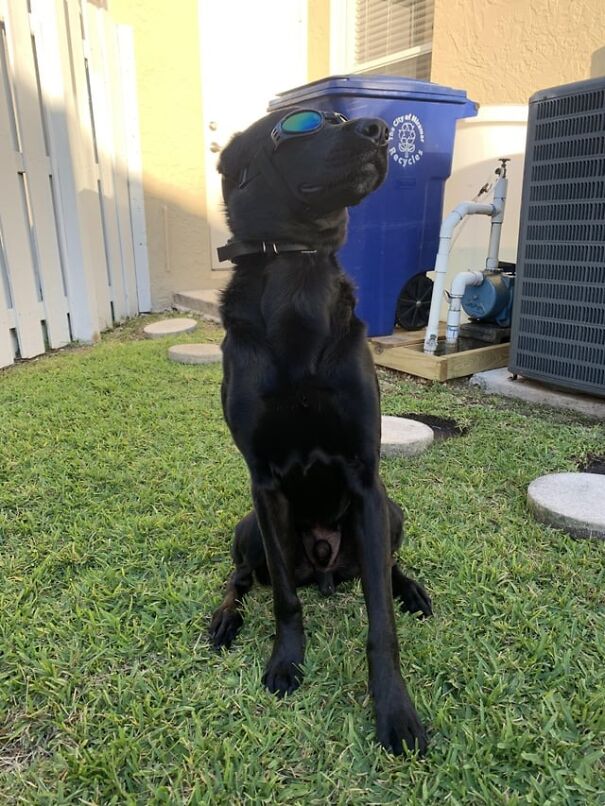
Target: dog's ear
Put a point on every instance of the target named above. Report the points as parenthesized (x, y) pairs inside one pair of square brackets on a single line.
[(233, 158), (226, 158), (232, 163)]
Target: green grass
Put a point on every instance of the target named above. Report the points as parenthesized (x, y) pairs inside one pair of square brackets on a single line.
[(119, 491)]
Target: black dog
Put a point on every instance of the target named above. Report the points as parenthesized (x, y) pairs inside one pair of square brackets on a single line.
[(301, 399)]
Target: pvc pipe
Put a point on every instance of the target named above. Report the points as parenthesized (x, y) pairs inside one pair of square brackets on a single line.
[(466, 278), (461, 281), (445, 241), (500, 188)]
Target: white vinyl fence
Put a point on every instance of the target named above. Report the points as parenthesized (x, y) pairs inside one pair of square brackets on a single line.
[(73, 256)]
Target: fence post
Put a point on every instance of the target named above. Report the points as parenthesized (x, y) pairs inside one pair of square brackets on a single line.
[(134, 163)]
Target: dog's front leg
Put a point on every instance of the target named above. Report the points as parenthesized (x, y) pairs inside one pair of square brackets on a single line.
[(396, 720), (283, 672)]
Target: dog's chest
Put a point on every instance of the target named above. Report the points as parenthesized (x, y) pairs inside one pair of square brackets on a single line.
[(284, 395), (300, 423), (296, 307)]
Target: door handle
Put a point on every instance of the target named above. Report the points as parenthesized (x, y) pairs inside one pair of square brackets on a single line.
[(215, 147)]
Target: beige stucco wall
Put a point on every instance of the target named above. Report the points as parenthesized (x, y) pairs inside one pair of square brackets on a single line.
[(167, 53), (318, 46), (502, 51)]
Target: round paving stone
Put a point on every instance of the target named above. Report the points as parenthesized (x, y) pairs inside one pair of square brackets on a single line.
[(574, 502), (401, 437), (195, 353), (169, 327)]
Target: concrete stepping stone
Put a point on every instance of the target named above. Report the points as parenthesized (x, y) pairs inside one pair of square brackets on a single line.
[(402, 437), (574, 502), (169, 327), (195, 353)]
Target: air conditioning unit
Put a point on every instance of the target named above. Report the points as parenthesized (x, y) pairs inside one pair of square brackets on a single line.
[(558, 323)]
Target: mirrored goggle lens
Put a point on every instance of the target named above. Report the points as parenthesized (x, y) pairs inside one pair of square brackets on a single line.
[(301, 122)]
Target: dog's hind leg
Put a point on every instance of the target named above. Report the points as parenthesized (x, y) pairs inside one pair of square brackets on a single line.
[(395, 524), (411, 596), (409, 593), (227, 618)]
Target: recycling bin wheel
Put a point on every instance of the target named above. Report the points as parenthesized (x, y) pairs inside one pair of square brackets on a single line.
[(414, 303)]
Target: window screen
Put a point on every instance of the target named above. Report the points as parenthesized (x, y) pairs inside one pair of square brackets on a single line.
[(392, 37)]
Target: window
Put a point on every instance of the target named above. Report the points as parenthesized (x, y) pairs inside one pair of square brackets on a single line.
[(392, 37)]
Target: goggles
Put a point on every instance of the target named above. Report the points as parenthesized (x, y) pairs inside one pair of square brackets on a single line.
[(302, 122)]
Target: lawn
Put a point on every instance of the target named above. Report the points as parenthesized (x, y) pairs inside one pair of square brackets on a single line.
[(119, 491)]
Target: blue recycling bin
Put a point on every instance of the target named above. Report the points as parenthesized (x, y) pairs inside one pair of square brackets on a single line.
[(394, 233)]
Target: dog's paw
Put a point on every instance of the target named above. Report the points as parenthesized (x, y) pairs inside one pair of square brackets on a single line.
[(282, 676), (224, 626), (398, 727), (413, 598)]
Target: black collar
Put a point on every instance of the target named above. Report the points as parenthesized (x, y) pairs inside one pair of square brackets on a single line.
[(239, 248)]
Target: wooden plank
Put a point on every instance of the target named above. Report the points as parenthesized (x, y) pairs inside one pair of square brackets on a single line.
[(483, 358), (13, 214), (67, 158), (43, 226), (413, 360), (115, 79), (101, 104), (399, 338), (79, 131), (135, 165), (6, 313)]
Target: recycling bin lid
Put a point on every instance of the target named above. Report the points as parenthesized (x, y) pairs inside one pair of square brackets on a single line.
[(372, 86)]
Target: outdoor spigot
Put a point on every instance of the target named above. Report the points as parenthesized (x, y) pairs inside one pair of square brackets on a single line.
[(501, 171)]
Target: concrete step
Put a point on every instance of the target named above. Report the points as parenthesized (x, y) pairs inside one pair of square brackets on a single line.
[(205, 302), (169, 327), (403, 437), (574, 502), (195, 353)]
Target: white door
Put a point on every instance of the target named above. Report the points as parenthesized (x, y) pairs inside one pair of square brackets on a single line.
[(250, 51)]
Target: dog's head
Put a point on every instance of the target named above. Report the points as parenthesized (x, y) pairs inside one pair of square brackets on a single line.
[(292, 174)]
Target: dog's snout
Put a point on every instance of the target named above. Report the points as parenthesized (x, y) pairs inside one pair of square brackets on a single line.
[(373, 129)]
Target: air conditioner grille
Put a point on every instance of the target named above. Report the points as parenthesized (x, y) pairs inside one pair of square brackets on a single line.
[(569, 191), (566, 331), (570, 127), (565, 273), (563, 311), (564, 149), (571, 104), (558, 329), (577, 213), (563, 171)]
